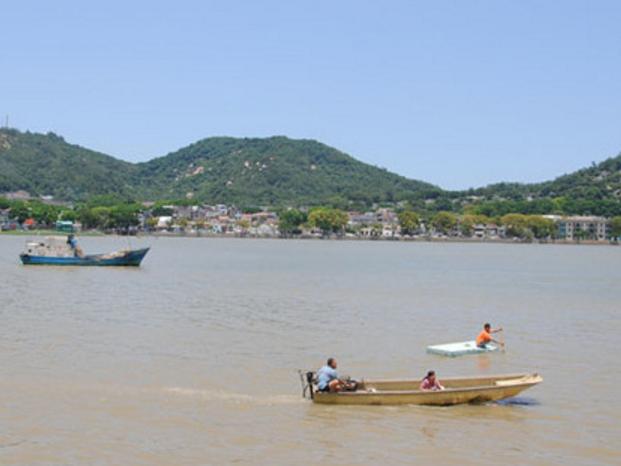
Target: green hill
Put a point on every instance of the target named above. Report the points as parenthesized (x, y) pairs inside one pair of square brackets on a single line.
[(279, 171), (595, 190), (270, 171), (47, 165), (599, 181)]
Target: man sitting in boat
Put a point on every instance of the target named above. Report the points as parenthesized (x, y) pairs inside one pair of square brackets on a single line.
[(486, 336), (431, 382), (328, 380)]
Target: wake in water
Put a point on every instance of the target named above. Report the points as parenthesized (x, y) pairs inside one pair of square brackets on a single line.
[(236, 398)]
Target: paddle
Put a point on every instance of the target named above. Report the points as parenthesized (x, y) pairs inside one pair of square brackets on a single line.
[(502, 339)]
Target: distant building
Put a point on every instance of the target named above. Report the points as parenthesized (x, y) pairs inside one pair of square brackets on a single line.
[(4, 219), (164, 222), (587, 227), (20, 195), (64, 226)]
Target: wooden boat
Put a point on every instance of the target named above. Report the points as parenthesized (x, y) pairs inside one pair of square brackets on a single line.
[(55, 250), (461, 348), (458, 390)]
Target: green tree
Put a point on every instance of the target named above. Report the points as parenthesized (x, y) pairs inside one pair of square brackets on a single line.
[(151, 223), (19, 212), (541, 227), (337, 202), (161, 211), (183, 224), (615, 227), (328, 220), (68, 215), (467, 223), (97, 217), (251, 209), (44, 214), (376, 229), (580, 235), (444, 222), (443, 204), (123, 217), (290, 220), (244, 225), (515, 224), (408, 222), (106, 200), (86, 217)]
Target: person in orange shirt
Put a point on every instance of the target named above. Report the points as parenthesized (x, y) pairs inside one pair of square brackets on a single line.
[(486, 336)]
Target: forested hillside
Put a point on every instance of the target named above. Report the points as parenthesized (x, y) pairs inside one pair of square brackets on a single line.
[(46, 165), (591, 191), (281, 172), (271, 171)]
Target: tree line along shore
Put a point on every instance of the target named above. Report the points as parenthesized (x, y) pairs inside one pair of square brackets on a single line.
[(382, 222)]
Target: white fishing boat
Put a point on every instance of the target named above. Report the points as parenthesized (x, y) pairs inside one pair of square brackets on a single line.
[(461, 348)]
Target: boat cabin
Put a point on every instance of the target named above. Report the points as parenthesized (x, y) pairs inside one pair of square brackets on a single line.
[(53, 246)]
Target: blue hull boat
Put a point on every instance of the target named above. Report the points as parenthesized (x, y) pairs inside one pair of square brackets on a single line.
[(61, 251)]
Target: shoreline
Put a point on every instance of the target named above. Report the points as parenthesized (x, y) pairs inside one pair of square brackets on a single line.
[(555, 242)]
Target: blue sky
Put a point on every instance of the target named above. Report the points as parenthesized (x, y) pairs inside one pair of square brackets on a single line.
[(460, 93)]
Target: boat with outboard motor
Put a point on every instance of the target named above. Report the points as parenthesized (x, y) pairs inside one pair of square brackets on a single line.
[(457, 390)]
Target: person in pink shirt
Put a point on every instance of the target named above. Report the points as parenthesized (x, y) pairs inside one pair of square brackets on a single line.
[(431, 382)]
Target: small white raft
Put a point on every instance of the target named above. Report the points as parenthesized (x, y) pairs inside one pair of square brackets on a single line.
[(461, 348)]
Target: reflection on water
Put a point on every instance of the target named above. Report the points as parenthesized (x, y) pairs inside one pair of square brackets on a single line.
[(192, 359), (484, 362), (430, 430), (518, 400)]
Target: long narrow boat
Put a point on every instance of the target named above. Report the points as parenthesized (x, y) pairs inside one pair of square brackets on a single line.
[(56, 250), (461, 348), (458, 390)]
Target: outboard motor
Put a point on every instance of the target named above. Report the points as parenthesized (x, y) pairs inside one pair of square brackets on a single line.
[(309, 380), (353, 385)]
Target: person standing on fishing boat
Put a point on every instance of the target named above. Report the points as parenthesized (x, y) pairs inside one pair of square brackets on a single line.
[(486, 336), (328, 380), (431, 382), (71, 241)]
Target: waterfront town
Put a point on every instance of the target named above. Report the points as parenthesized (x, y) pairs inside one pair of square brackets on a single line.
[(382, 223), (388, 223)]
